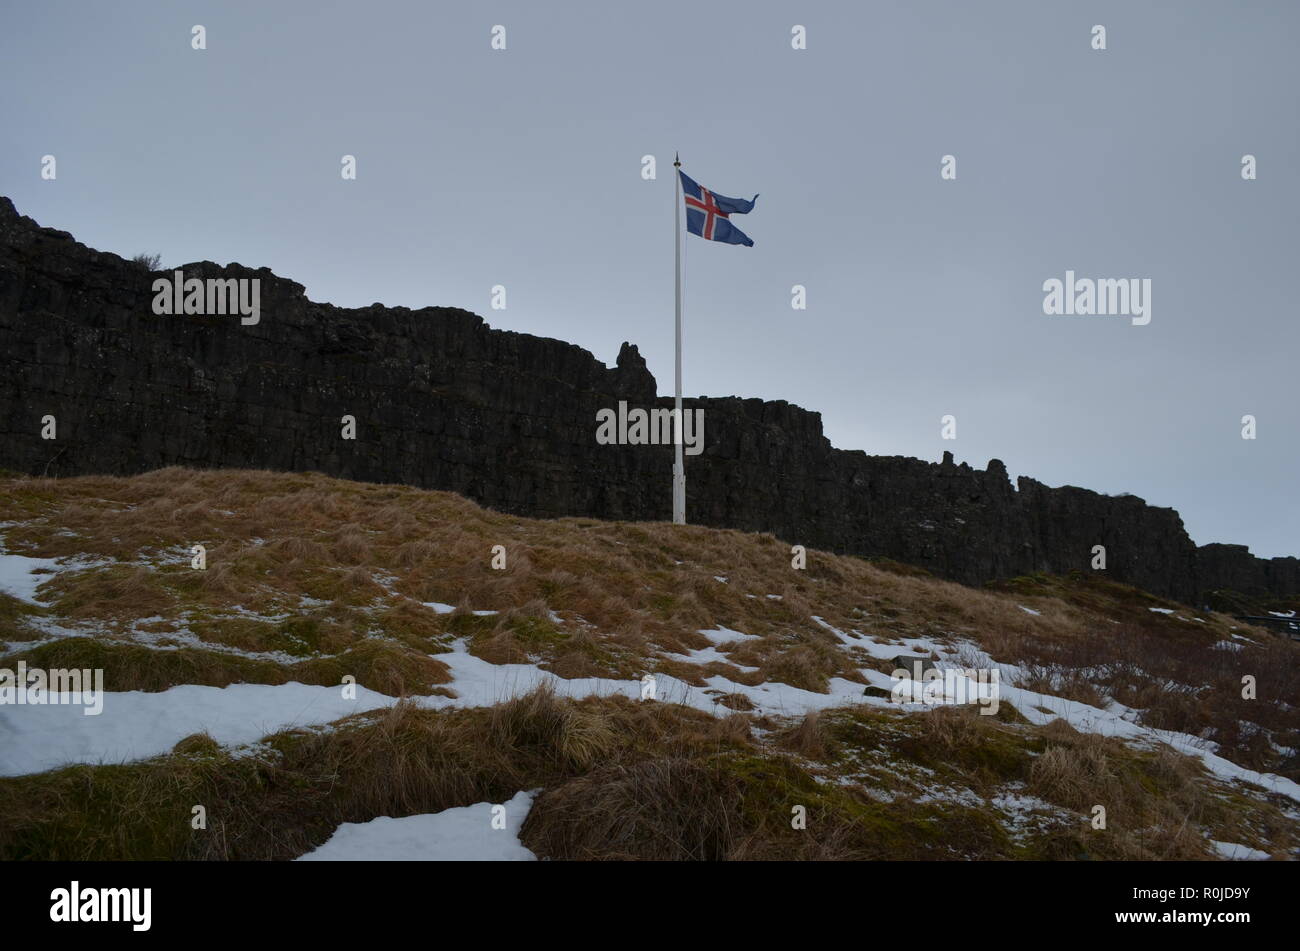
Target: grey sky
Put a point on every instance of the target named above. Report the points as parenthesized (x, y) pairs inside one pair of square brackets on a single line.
[(522, 168)]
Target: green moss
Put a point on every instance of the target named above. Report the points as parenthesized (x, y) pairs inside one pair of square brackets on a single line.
[(771, 785), (244, 633), (1060, 843), (663, 604), (1233, 602), (956, 832), (1007, 713), (298, 637), (133, 667), (983, 755), (1032, 584), (302, 636), (860, 728), (120, 812), (380, 665), (536, 634), (863, 826)]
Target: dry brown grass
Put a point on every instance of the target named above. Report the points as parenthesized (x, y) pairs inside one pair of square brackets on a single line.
[(1156, 803), (661, 809), (291, 794), (807, 739), (628, 780), (379, 665), (580, 737), (351, 562)]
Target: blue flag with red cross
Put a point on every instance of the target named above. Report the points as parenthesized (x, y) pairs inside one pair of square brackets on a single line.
[(708, 213)]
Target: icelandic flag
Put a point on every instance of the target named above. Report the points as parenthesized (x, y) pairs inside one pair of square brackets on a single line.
[(707, 213)]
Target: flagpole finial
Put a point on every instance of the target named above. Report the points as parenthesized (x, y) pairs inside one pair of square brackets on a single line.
[(677, 160)]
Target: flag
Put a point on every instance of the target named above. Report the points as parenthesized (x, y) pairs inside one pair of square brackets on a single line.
[(708, 213)]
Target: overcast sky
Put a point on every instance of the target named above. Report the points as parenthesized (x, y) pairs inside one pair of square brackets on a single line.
[(522, 167)]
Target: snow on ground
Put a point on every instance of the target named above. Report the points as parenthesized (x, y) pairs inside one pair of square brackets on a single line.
[(1014, 801), (906, 645), (1041, 709), (1029, 610), (463, 834), (725, 635), (1162, 610), (710, 655), (19, 578), (439, 608), (177, 637), (136, 725), (1233, 850), (20, 575), (182, 638), (1023, 815)]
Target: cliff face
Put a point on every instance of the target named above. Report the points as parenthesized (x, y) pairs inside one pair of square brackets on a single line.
[(443, 401)]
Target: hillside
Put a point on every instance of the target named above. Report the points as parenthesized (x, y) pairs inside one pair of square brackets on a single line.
[(522, 685)]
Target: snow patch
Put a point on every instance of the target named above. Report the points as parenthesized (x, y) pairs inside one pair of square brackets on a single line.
[(440, 608), (136, 725), (711, 655), (725, 635), (463, 834), (19, 578), (1237, 852)]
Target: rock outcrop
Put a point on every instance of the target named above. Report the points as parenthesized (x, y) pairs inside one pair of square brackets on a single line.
[(443, 401)]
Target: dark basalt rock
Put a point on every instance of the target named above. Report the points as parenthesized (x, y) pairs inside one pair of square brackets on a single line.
[(443, 401)]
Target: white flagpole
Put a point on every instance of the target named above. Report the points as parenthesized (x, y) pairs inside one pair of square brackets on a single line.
[(679, 468)]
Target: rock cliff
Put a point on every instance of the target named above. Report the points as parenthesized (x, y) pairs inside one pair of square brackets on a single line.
[(443, 401)]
